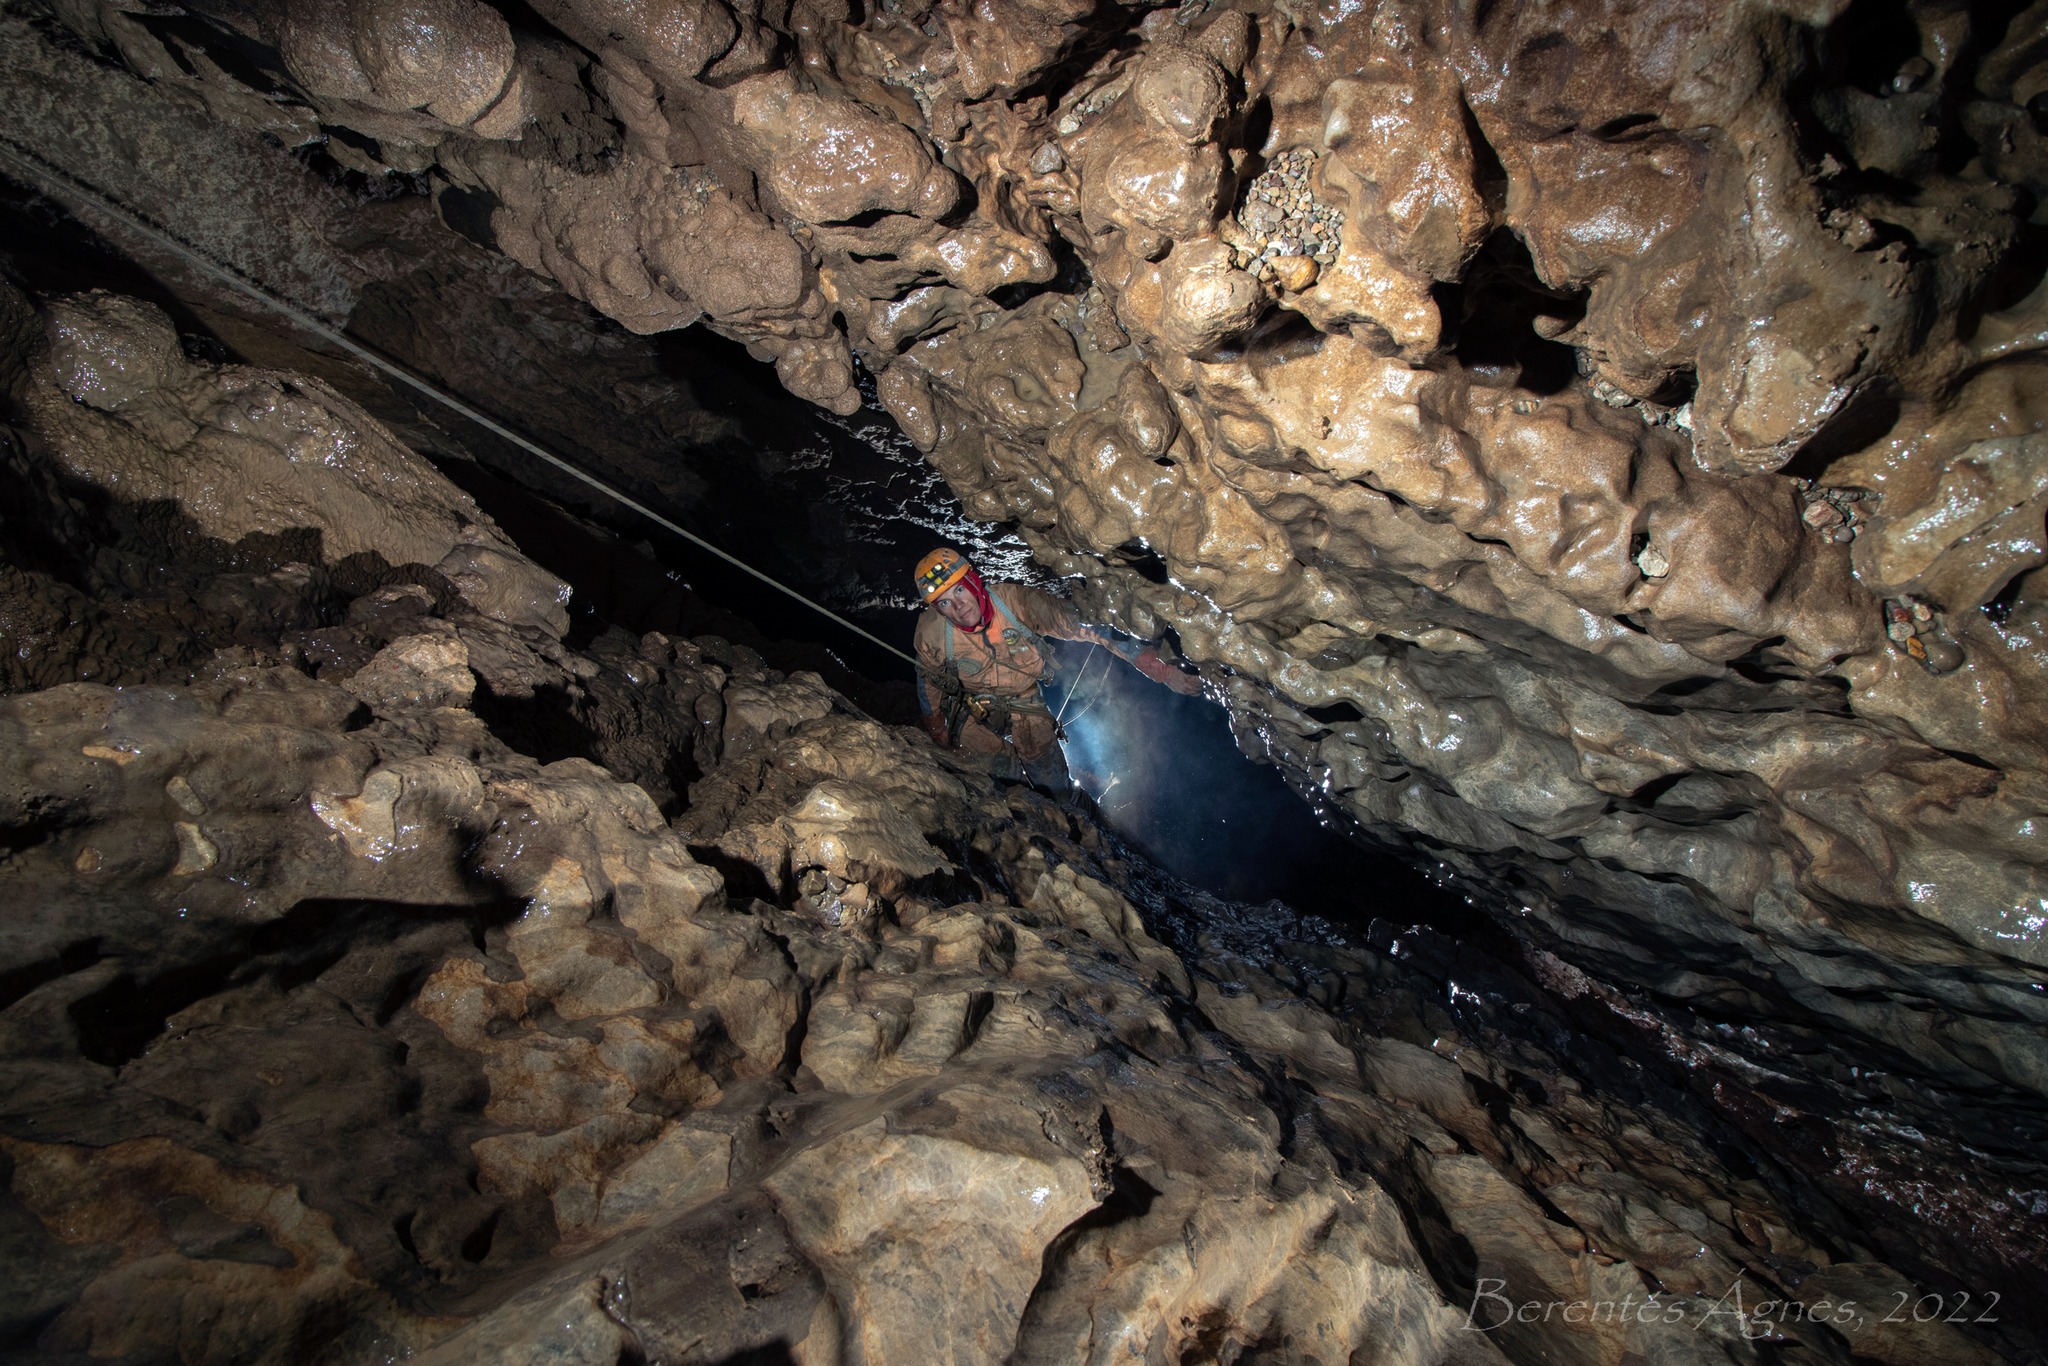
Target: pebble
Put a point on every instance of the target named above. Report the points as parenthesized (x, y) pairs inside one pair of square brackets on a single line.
[(1821, 514), (1832, 511), (1294, 273), (1281, 213)]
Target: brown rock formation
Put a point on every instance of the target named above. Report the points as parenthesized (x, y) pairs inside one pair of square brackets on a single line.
[(337, 1029), (1600, 449)]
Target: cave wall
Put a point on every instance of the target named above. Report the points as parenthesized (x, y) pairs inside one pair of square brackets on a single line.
[(1596, 447), (387, 973), (683, 421)]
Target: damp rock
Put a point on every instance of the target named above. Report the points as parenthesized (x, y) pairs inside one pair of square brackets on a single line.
[(1565, 297)]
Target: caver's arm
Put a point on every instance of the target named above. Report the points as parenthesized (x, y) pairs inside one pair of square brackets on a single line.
[(1048, 616)]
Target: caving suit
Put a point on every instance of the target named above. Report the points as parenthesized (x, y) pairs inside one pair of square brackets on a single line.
[(1003, 665)]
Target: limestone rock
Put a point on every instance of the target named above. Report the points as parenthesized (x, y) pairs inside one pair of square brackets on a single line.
[(242, 453), (1498, 531)]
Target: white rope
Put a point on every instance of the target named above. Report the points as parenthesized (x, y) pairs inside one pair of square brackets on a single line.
[(1075, 691), (61, 185)]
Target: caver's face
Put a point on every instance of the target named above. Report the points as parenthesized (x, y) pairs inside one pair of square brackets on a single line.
[(958, 606)]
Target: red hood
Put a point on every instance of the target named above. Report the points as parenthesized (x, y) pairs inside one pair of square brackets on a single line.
[(980, 591)]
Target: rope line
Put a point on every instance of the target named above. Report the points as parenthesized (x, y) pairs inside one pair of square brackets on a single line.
[(1080, 680), (61, 185)]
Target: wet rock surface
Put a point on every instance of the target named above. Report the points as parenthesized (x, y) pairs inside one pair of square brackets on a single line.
[(683, 421), (338, 1028), (1596, 450)]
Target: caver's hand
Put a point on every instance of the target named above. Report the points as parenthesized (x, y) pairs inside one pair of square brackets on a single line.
[(934, 726), (1158, 670)]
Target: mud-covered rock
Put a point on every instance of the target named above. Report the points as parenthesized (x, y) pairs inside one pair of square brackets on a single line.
[(1594, 450), (238, 453), (337, 1027)]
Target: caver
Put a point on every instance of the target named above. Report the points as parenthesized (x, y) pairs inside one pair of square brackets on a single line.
[(982, 663)]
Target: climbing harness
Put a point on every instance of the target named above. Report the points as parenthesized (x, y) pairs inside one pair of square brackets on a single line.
[(958, 701), (60, 185), (956, 704)]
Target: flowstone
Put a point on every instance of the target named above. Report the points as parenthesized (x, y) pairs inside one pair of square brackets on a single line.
[(1595, 450), (339, 1028)]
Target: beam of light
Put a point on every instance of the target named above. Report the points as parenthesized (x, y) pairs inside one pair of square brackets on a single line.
[(1133, 735), (1191, 801)]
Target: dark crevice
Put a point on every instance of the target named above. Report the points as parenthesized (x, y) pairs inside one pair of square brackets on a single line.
[(401, 1229), (1142, 560), (361, 185), (118, 1022), (775, 1353), (253, 64), (1490, 318), (1255, 127), (1649, 792), (476, 1247), (468, 211), (743, 880), (1070, 276), (872, 218), (1753, 666), (2017, 275), (1282, 337), (1999, 609), (1627, 127), (1686, 687), (18, 982), (544, 723)]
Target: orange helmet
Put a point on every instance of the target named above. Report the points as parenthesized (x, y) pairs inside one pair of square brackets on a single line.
[(940, 570)]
